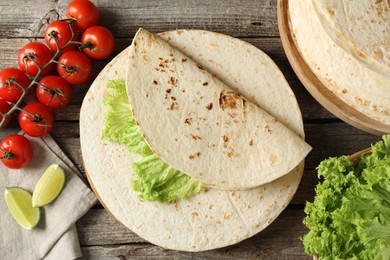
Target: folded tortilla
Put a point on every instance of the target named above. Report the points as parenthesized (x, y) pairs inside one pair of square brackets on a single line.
[(198, 125), (364, 89), (212, 218)]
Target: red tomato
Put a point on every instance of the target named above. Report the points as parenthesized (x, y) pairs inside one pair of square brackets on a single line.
[(4, 108), (15, 151), (75, 67), (61, 30), (36, 119), (99, 42), (54, 92), (85, 13), (34, 55), (9, 78)]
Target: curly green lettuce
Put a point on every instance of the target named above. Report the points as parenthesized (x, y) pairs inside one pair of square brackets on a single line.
[(120, 125), (153, 179), (350, 215), (156, 180)]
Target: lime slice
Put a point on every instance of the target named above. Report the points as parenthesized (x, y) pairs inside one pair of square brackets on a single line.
[(49, 186), (19, 203)]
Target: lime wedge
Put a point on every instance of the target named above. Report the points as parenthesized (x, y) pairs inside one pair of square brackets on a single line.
[(49, 186), (19, 203)]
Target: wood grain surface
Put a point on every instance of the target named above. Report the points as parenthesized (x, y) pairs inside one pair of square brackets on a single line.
[(255, 21)]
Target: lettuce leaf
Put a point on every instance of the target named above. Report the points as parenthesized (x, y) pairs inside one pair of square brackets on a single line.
[(154, 179), (120, 125), (350, 215)]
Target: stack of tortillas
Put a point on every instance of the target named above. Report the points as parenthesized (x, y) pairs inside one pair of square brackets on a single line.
[(248, 149), (346, 44)]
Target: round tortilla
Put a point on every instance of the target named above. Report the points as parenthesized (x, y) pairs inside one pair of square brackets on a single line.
[(212, 218), (361, 28), (361, 88), (198, 125)]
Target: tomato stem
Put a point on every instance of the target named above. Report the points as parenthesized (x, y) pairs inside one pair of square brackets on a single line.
[(7, 155), (34, 81)]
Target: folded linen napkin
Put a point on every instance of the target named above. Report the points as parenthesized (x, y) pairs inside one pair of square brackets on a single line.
[(55, 236)]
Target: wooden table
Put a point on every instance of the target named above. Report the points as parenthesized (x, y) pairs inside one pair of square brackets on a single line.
[(101, 237)]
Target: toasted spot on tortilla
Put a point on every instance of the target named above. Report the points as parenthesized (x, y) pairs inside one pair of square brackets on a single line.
[(174, 106), (193, 156), (228, 99), (188, 121), (209, 106), (155, 82), (194, 214), (225, 140), (330, 10), (227, 215), (196, 137), (183, 60), (199, 67), (273, 158), (172, 80), (205, 83), (268, 129)]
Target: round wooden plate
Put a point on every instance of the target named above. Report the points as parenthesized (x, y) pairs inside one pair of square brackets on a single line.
[(315, 87)]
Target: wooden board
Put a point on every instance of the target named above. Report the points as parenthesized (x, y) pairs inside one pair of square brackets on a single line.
[(101, 237), (316, 88)]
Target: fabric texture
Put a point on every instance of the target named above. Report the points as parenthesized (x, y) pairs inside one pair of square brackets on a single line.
[(55, 236)]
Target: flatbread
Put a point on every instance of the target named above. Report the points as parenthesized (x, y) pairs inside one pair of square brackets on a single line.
[(198, 125), (361, 88), (361, 28), (207, 220)]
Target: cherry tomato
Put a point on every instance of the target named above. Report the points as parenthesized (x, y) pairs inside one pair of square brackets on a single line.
[(85, 13), (9, 80), (36, 119), (61, 30), (75, 67), (34, 51), (54, 92), (15, 151), (4, 108), (99, 42)]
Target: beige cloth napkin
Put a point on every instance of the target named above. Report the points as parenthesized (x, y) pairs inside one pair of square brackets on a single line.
[(55, 236)]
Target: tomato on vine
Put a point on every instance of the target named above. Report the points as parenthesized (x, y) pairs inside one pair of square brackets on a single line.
[(15, 151), (4, 108), (54, 92), (61, 30), (36, 119), (84, 12), (98, 42), (34, 56), (12, 82), (75, 67)]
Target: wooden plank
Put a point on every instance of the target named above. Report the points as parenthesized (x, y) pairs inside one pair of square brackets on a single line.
[(19, 18), (98, 231), (272, 46)]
